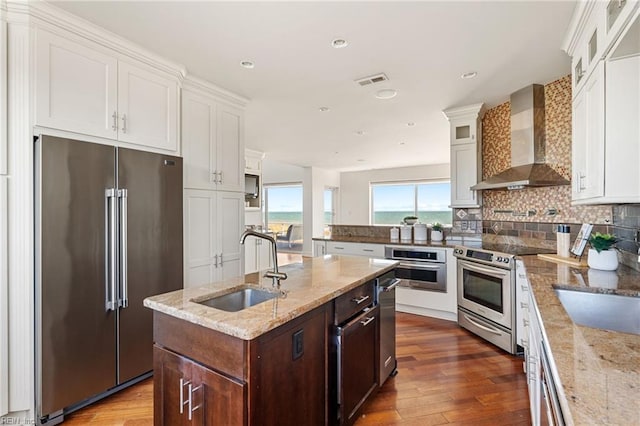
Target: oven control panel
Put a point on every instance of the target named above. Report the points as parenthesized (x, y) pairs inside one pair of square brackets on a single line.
[(484, 256)]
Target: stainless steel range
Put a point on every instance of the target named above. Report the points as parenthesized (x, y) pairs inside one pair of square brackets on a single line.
[(486, 291)]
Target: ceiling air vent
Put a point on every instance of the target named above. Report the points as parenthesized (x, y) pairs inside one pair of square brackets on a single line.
[(378, 78)]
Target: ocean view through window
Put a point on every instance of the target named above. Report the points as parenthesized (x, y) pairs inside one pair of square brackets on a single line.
[(283, 215), (428, 200)]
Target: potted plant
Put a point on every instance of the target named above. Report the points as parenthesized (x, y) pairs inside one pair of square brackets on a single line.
[(601, 254), (436, 232), (410, 220)]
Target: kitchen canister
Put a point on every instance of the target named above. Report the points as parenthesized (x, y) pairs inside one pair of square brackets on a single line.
[(394, 234), (405, 232), (563, 240), (420, 232)]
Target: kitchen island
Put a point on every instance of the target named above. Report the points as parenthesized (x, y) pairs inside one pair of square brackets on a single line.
[(271, 363)]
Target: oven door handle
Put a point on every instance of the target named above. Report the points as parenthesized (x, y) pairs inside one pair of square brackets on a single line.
[(489, 271), (483, 327), (426, 266)]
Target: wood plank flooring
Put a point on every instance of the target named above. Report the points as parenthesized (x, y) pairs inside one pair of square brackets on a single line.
[(445, 376)]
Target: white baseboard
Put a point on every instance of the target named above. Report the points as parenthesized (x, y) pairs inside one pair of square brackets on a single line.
[(425, 312)]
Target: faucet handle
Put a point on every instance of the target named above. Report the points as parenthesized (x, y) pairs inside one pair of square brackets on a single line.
[(278, 275)]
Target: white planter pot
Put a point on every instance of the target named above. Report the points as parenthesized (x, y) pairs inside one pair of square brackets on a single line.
[(606, 260), (436, 235)]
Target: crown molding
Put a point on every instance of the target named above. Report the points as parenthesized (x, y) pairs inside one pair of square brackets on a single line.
[(474, 110), (581, 16), (196, 83), (47, 16)]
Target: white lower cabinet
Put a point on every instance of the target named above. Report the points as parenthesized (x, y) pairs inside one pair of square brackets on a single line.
[(319, 248), (522, 305), (213, 223), (355, 249), (257, 255), (4, 300)]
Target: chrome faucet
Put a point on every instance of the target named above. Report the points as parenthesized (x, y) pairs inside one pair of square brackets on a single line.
[(275, 275)]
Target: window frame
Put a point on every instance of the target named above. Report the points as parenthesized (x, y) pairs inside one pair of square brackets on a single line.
[(415, 184)]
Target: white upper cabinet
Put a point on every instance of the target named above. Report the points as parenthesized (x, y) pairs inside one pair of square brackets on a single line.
[(213, 143), (466, 153), (147, 108), (76, 87), (86, 89), (230, 159), (604, 42)]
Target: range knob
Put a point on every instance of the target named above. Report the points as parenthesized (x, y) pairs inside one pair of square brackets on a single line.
[(505, 260), (499, 259)]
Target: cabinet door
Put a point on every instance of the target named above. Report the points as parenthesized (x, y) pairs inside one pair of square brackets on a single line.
[(230, 150), (358, 359), (76, 87), (588, 138), (522, 305), (147, 108), (201, 256), (230, 224), (171, 375), (251, 256), (464, 174), (215, 399), (4, 299), (319, 248), (199, 135), (463, 132)]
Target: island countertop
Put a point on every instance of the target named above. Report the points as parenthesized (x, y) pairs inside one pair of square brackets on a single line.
[(599, 369), (310, 284)]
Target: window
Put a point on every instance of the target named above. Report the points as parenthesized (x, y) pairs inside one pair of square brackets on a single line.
[(283, 215), (428, 200), (329, 208)]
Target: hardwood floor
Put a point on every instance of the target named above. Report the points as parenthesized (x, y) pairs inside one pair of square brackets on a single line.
[(445, 376)]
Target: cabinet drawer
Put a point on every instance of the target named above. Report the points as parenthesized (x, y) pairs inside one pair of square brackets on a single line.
[(353, 302)]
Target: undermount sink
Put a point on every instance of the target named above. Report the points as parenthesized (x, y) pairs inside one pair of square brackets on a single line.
[(605, 311), (239, 299)]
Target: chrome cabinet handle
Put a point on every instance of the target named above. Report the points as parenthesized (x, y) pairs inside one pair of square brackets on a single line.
[(221, 177), (214, 177), (368, 250), (338, 248), (580, 180), (367, 321), (183, 383), (221, 261), (525, 322), (124, 123), (114, 126), (110, 249), (191, 407), (524, 305), (122, 195), (359, 300), (524, 288), (215, 260)]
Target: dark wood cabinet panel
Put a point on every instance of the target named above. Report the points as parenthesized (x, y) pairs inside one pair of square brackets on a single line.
[(353, 301), (289, 380), (358, 363), (168, 371), (186, 393), (217, 400)]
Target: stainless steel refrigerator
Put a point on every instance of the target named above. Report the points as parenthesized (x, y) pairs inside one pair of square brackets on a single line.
[(108, 234)]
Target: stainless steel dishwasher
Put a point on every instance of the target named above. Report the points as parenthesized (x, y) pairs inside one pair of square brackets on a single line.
[(386, 294)]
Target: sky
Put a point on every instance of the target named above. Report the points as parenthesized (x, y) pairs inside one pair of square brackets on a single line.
[(431, 197)]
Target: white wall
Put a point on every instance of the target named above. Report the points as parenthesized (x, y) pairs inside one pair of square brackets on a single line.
[(320, 180), (354, 188), (277, 172)]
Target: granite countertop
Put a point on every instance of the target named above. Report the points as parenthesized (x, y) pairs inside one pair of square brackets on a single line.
[(599, 370), (310, 284)]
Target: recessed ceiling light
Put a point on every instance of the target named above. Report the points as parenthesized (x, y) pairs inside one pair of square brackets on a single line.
[(323, 109), (401, 143), (360, 132), (247, 64), (360, 160), (386, 93), (469, 75), (411, 124), (339, 43)]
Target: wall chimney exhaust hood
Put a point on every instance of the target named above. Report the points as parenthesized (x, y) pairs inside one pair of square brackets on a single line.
[(528, 167)]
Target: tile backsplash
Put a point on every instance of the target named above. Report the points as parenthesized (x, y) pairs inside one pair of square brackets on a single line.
[(496, 157)]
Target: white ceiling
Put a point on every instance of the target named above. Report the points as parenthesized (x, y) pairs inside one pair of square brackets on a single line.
[(423, 47)]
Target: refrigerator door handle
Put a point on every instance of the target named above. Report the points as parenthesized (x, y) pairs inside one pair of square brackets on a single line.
[(124, 299), (110, 249)]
